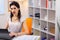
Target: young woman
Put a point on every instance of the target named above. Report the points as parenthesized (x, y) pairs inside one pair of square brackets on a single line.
[(14, 24)]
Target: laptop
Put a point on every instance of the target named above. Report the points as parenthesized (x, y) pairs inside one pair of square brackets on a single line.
[(4, 31), (4, 34)]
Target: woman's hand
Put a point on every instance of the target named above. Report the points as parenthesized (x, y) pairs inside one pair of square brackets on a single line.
[(12, 34)]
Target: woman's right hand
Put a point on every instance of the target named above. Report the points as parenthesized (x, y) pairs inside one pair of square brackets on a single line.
[(12, 34)]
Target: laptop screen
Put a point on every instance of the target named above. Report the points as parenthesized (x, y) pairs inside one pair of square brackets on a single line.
[(4, 31)]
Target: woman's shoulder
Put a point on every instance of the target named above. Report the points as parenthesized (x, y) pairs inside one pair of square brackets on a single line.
[(23, 18)]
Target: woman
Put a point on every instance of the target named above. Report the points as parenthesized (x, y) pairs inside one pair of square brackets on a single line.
[(14, 24)]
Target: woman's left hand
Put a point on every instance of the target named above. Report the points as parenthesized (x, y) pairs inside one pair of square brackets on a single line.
[(13, 34)]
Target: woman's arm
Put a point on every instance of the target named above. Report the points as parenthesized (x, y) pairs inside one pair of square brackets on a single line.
[(21, 33), (26, 32), (6, 25)]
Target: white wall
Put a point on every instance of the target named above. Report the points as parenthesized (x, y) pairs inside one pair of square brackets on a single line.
[(24, 9), (4, 17), (58, 7), (57, 16)]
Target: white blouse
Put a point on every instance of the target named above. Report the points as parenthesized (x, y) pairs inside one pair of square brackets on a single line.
[(14, 26)]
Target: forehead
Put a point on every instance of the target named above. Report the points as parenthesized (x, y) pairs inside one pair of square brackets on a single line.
[(13, 6)]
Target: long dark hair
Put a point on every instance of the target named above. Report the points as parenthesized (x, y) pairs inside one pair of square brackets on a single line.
[(18, 6)]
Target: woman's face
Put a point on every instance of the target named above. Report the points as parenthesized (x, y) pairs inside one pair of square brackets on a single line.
[(14, 10)]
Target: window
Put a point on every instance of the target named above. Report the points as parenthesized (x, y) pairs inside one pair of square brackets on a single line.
[(2, 7)]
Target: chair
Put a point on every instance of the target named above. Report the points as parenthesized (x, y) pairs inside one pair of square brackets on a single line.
[(28, 22)]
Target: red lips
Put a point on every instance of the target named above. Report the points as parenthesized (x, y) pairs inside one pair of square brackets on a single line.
[(13, 12)]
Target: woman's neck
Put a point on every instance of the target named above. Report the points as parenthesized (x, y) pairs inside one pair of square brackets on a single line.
[(14, 15)]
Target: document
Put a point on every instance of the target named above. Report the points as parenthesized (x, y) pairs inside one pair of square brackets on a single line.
[(26, 37)]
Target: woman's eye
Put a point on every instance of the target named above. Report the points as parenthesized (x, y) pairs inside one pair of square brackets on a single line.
[(14, 8), (11, 8)]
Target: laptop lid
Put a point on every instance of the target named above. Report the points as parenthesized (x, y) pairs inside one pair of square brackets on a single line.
[(4, 31)]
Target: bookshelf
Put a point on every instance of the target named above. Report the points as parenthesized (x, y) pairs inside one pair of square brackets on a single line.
[(43, 13), (44, 22)]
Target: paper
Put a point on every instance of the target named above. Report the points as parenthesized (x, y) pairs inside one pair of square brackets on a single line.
[(26, 37)]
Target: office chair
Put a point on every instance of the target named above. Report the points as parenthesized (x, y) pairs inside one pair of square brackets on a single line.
[(28, 22)]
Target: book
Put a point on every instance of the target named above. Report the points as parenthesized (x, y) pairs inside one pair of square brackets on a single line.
[(49, 4), (53, 4), (46, 3)]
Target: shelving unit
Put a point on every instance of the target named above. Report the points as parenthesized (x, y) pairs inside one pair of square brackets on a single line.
[(45, 23), (34, 6), (43, 13), (48, 13)]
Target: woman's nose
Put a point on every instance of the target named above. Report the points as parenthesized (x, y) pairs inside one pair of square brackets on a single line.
[(13, 10)]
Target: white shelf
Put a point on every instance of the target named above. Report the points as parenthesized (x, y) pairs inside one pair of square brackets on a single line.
[(43, 31), (36, 18), (36, 28), (51, 21), (47, 32), (43, 8), (47, 20), (51, 9), (34, 7), (44, 20)]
